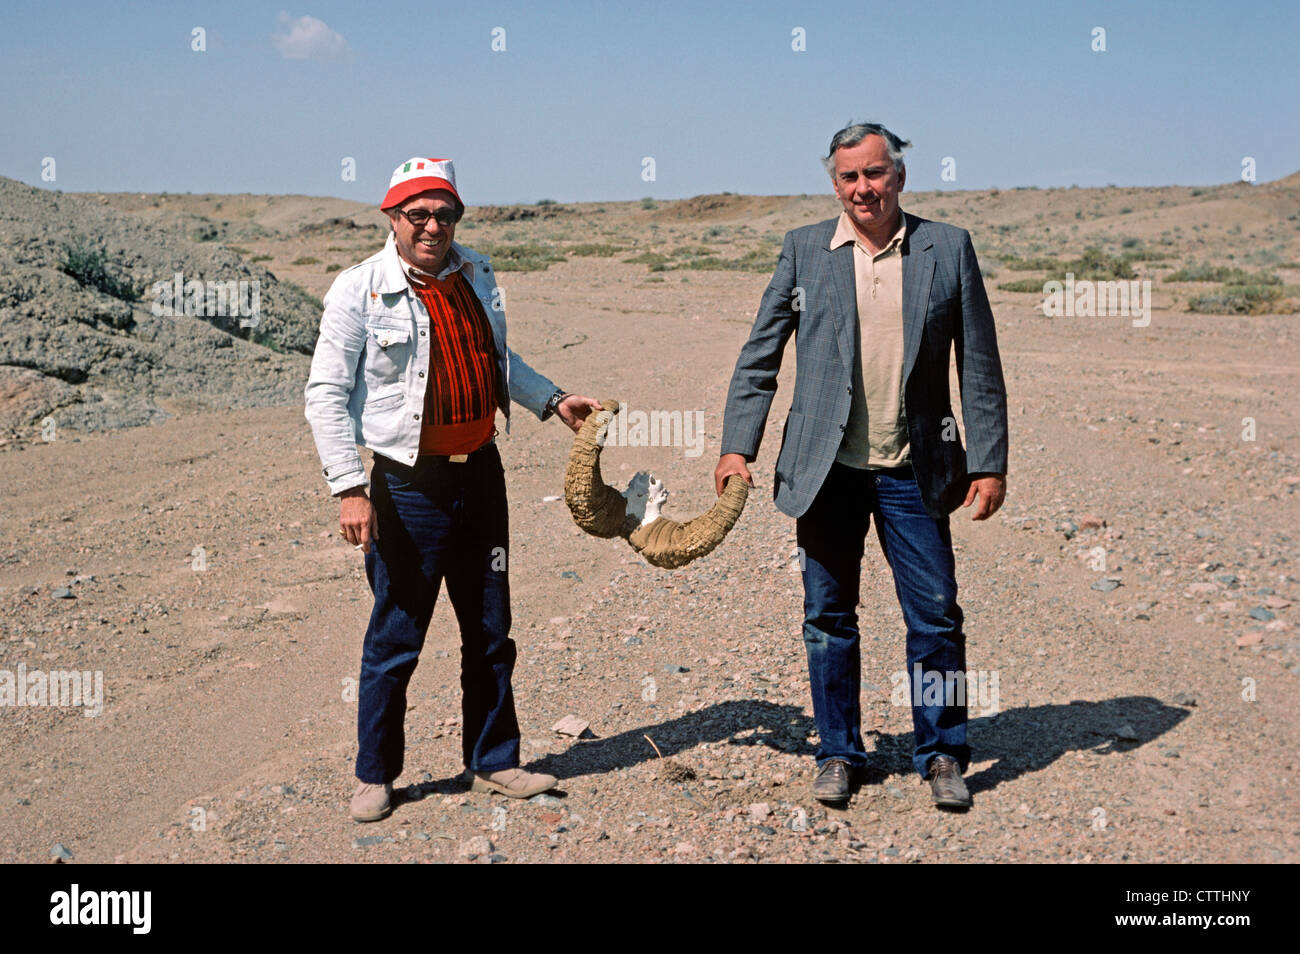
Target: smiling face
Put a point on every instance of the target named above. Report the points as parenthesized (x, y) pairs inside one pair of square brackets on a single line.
[(426, 248), (868, 185)]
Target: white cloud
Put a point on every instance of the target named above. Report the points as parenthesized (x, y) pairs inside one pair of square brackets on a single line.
[(308, 39)]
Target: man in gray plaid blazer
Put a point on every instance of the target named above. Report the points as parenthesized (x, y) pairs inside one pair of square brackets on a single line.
[(877, 300)]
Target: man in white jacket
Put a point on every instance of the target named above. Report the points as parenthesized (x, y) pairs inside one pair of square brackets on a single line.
[(412, 363)]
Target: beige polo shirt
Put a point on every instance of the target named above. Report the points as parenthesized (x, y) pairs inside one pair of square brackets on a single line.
[(876, 434)]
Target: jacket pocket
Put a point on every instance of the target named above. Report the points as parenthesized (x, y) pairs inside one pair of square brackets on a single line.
[(382, 417), (388, 352)]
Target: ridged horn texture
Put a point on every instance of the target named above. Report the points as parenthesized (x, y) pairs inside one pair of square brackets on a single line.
[(669, 544), (596, 507), (601, 510)]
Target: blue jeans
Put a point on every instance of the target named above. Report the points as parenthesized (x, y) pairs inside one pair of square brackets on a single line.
[(438, 521), (918, 549)]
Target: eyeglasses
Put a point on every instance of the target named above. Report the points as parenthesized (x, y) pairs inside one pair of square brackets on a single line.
[(419, 218)]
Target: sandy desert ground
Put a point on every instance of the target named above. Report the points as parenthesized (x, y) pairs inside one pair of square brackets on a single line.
[(1150, 721)]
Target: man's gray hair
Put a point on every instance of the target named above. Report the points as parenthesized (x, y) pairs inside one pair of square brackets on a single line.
[(854, 133)]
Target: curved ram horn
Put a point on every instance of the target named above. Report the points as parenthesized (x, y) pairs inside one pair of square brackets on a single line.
[(596, 507), (669, 544), (602, 511)]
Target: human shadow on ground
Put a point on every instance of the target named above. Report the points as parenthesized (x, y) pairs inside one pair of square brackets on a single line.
[(1030, 738), (1020, 740)]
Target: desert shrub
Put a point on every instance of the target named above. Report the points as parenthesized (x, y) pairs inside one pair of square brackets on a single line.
[(546, 202), (1222, 273), (1096, 265), (1023, 285), (649, 203), (306, 260), (1145, 255), (265, 340), (87, 262), (647, 258), (595, 250), (525, 257), (757, 260), (1242, 300), (1041, 264)]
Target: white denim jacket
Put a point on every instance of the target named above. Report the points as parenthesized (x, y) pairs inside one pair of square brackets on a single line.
[(370, 368)]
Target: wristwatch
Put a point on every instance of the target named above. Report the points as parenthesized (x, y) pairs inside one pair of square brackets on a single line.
[(553, 403)]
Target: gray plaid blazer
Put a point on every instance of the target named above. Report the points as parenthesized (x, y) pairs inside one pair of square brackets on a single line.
[(944, 307)]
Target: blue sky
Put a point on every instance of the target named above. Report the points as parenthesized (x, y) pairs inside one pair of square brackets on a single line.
[(583, 92)]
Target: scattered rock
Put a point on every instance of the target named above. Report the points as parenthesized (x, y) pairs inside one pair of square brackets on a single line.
[(573, 726), (480, 846)]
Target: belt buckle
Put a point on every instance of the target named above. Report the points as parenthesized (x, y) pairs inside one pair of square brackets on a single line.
[(458, 458)]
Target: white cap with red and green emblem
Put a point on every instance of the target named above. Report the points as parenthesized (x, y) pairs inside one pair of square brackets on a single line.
[(418, 175)]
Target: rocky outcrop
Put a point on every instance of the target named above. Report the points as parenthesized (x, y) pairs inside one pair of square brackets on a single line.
[(93, 336)]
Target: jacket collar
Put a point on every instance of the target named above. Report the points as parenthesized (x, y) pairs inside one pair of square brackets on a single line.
[(845, 234), (913, 231), (393, 269)]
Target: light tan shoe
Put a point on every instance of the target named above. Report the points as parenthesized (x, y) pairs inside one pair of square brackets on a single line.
[(372, 802), (514, 782)]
